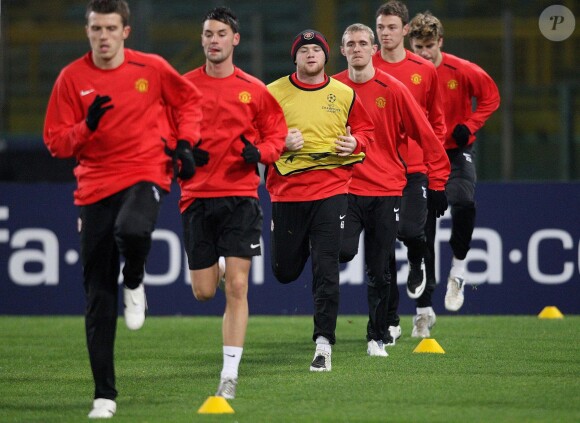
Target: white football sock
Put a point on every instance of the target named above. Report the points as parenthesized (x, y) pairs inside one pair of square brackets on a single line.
[(323, 344), (425, 310), (322, 340), (232, 357), (221, 267), (457, 268)]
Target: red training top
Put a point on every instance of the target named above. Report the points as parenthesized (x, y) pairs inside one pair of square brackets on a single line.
[(232, 106), (460, 81), (396, 116), (420, 77), (127, 145)]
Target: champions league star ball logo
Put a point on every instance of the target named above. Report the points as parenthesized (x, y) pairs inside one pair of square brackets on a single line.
[(331, 107)]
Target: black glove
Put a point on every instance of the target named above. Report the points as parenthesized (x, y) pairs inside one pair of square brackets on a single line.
[(200, 156), (461, 135), (437, 202), (250, 153), (96, 111), (184, 156)]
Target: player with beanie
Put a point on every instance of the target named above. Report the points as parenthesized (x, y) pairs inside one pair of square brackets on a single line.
[(309, 36), (328, 130)]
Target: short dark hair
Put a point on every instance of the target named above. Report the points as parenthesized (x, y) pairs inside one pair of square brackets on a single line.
[(110, 6), (225, 15), (394, 8)]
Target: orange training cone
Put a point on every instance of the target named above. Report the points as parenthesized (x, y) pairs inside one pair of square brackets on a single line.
[(215, 405), (429, 345)]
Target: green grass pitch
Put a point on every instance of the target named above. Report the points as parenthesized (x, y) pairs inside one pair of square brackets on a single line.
[(495, 369)]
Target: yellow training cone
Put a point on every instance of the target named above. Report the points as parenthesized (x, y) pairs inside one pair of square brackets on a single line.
[(429, 345), (215, 405), (550, 312)]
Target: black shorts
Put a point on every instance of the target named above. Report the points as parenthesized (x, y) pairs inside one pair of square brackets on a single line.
[(224, 226)]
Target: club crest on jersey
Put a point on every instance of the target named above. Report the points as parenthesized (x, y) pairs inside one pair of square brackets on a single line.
[(452, 84), (416, 79), (381, 102), (245, 97), (142, 85)]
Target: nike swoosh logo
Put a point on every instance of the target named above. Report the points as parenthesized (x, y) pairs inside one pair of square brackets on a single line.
[(252, 246), (342, 216), (86, 92), (230, 355)]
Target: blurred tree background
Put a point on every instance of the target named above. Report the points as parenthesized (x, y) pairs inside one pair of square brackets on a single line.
[(534, 136)]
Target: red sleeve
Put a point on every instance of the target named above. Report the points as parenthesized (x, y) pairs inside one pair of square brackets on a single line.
[(435, 112), (419, 128), (272, 127), (486, 94), (184, 98), (170, 129), (65, 130), (361, 125)]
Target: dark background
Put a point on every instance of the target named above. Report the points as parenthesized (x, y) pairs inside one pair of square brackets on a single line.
[(534, 136)]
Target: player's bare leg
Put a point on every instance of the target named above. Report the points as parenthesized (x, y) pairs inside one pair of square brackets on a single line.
[(235, 322)]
